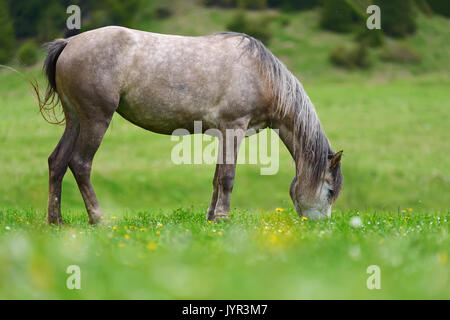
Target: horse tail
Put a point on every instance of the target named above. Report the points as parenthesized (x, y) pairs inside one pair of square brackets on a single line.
[(50, 100)]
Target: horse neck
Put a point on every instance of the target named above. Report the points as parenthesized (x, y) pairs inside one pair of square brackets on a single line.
[(286, 132), (293, 143)]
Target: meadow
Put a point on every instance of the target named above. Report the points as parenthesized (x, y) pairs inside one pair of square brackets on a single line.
[(259, 255), (392, 121)]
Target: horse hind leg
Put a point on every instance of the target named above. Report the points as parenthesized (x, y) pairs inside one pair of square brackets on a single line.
[(58, 162), (92, 130)]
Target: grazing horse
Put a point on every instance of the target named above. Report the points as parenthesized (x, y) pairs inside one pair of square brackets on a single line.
[(165, 82)]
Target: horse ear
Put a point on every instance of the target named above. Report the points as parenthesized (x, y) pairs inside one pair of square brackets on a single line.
[(336, 159)]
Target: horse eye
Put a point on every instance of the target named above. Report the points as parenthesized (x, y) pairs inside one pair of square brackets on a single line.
[(330, 193)]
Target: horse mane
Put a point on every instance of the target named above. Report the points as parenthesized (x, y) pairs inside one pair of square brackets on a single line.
[(290, 99)]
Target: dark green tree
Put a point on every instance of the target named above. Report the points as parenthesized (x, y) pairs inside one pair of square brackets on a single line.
[(339, 15), (113, 12), (52, 21), (258, 28), (398, 18), (25, 16), (28, 53), (441, 7), (243, 4), (293, 4), (7, 39)]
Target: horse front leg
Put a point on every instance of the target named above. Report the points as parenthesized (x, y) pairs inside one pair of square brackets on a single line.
[(212, 205), (225, 183), (225, 171)]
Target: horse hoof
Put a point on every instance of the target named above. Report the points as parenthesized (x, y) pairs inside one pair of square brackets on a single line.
[(221, 217), (51, 220), (99, 220)]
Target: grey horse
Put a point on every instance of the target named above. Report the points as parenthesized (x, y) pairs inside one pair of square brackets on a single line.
[(165, 82)]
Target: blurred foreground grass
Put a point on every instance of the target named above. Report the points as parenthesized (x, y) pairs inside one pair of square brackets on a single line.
[(265, 255)]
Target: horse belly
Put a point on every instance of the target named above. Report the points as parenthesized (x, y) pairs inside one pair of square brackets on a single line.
[(158, 114)]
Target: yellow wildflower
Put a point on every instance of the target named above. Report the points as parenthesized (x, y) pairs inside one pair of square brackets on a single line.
[(403, 211), (279, 209), (127, 236), (151, 246), (443, 258), (143, 229), (160, 225), (219, 233), (273, 239), (114, 228), (410, 210), (114, 217), (304, 218), (157, 233)]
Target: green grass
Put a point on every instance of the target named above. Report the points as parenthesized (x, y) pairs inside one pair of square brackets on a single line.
[(391, 121), (266, 255)]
